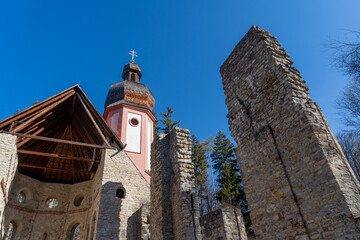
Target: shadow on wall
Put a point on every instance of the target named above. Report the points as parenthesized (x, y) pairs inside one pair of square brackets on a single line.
[(109, 221), (132, 230)]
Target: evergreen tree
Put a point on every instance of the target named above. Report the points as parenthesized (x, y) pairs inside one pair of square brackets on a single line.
[(156, 127), (198, 157), (229, 179), (225, 165), (167, 121)]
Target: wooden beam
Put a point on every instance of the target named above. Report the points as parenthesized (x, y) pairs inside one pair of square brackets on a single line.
[(41, 113), (52, 168), (54, 155), (93, 121), (58, 140), (72, 107), (28, 139), (34, 109)]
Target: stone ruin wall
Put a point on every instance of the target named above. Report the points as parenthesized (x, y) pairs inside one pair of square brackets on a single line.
[(174, 212), (297, 181), (224, 223), (33, 219), (144, 221), (122, 218), (8, 166), (118, 218)]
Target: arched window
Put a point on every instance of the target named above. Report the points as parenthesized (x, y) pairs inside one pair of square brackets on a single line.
[(11, 231), (78, 200), (120, 193), (75, 232)]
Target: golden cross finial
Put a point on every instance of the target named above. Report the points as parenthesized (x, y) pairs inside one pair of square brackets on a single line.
[(133, 55)]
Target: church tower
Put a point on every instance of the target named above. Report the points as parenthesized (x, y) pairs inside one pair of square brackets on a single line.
[(128, 110)]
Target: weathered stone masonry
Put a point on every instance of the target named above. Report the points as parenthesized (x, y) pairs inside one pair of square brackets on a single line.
[(224, 223), (8, 166), (174, 207), (119, 218), (297, 181)]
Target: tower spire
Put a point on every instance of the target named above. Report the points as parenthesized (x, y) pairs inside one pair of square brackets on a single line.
[(133, 55)]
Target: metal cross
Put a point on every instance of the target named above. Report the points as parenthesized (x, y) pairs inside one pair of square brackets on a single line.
[(133, 55)]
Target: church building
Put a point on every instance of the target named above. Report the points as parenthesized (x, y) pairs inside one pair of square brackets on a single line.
[(69, 173)]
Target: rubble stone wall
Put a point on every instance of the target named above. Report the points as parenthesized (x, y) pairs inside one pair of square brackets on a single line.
[(212, 225), (8, 167), (144, 217), (119, 218), (32, 218), (224, 223), (174, 207), (297, 181)]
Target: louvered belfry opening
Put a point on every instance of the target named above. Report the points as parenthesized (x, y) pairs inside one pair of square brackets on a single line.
[(61, 139)]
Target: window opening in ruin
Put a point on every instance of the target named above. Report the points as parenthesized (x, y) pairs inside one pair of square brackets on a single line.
[(120, 193), (52, 202), (44, 236), (78, 201), (75, 232), (11, 231), (134, 122), (21, 197)]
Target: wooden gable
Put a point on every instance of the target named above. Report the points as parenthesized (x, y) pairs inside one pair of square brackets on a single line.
[(61, 139)]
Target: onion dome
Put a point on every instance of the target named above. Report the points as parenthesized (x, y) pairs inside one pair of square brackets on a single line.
[(130, 91)]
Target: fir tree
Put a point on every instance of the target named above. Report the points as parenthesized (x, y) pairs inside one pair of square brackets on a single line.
[(229, 179), (198, 157), (225, 165), (156, 127), (167, 121)]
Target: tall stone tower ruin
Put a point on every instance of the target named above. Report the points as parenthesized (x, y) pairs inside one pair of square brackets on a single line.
[(296, 178), (174, 210)]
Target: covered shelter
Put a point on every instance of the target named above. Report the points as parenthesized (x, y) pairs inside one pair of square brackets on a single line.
[(60, 139)]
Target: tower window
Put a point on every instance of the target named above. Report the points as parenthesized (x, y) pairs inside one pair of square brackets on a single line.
[(120, 193), (134, 122)]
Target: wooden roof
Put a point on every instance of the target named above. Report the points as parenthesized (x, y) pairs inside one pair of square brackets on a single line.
[(61, 139)]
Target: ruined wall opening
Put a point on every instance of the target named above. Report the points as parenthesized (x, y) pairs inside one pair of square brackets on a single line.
[(74, 232), (120, 193), (11, 230), (52, 202), (78, 200)]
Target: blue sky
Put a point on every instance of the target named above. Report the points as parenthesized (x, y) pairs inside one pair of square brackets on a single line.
[(48, 46)]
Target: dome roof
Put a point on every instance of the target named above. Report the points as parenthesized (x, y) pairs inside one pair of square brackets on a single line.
[(130, 92)]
